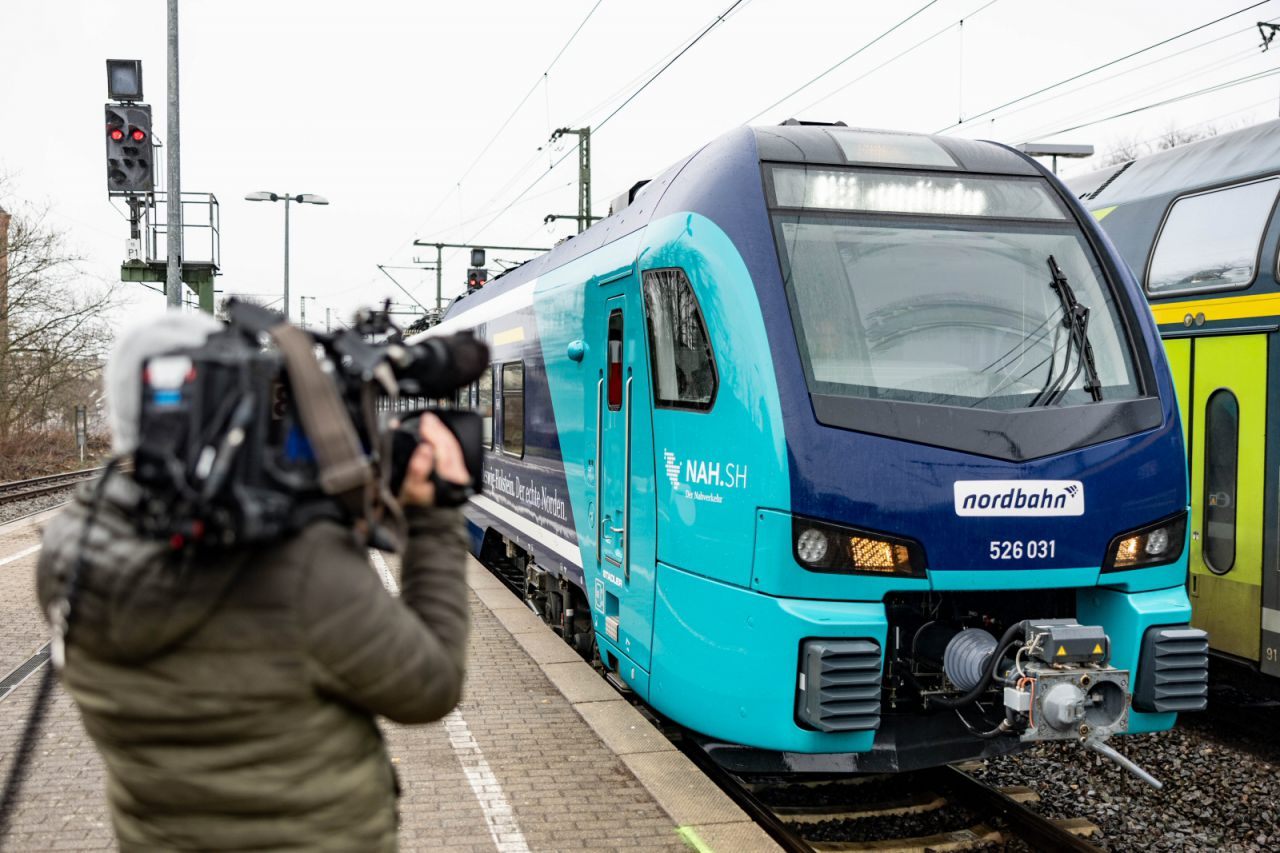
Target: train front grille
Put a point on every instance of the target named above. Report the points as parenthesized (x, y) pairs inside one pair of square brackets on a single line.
[(1173, 673), (839, 685)]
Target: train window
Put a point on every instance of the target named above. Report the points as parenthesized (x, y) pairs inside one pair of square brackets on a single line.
[(684, 367), (1221, 460), (484, 405), (1211, 241), (942, 311), (614, 380), (513, 408)]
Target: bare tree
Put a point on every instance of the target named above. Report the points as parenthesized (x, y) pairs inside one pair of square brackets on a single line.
[(1174, 136), (54, 332), (1124, 149)]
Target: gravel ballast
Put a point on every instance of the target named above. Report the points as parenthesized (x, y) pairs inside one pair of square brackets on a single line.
[(1216, 795), (16, 509)]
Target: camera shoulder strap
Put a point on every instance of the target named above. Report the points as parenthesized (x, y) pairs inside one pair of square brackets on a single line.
[(345, 471)]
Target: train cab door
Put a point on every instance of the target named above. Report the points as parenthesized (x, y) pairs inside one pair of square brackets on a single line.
[(625, 523), (1227, 425)]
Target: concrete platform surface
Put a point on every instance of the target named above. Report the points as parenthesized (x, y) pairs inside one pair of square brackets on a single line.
[(540, 755)]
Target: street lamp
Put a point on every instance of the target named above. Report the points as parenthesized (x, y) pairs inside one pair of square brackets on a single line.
[(304, 198)]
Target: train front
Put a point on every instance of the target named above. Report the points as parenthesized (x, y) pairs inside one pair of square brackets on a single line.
[(983, 539)]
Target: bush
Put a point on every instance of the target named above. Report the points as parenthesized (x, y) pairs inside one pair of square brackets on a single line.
[(38, 453)]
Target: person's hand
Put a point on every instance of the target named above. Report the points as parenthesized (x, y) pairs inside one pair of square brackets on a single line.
[(439, 451)]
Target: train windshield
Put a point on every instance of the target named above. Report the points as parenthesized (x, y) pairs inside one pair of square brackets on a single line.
[(937, 288)]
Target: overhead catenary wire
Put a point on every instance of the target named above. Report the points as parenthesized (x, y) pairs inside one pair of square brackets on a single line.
[(1097, 68), (719, 19), (557, 188), (1218, 87), (869, 44), (541, 79), (1195, 75), (1121, 73), (899, 55)]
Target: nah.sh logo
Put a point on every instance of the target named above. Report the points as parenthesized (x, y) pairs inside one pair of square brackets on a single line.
[(1019, 497), (672, 467)]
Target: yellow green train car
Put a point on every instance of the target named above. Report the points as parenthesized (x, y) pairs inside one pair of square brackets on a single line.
[(1198, 225)]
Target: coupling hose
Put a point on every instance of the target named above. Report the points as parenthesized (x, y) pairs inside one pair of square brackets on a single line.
[(1010, 636)]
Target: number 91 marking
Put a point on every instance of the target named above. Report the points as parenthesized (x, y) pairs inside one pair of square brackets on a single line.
[(1031, 549)]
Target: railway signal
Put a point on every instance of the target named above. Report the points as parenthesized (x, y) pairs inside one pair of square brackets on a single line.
[(476, 277), (128, 132)]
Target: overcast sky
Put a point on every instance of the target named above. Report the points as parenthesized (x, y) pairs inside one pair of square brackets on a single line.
[(383, 106)]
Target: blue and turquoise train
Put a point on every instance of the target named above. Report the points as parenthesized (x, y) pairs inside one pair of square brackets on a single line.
[(813, 417)]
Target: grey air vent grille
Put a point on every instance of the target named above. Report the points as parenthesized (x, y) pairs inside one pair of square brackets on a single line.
[(1117, 173), (1173, 672), (839, 685)]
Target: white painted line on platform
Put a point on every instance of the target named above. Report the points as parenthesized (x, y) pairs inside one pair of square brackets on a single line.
[(498, 815), (4, 561), (506, 833), (384, 571)]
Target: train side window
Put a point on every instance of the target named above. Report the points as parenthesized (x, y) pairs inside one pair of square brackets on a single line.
[(1221, 461), (513, 408), (684, 367), (614, 352), (1211, 241), (484, 405)]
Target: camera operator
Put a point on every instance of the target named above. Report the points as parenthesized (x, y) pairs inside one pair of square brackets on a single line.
[(232, 693)]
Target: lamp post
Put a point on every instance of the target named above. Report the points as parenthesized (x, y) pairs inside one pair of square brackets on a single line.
[(303, 198)]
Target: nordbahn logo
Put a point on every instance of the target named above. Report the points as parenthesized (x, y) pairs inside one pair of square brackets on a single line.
[(1019, 497)]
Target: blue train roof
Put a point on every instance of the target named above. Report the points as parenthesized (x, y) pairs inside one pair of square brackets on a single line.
[(833, 145)]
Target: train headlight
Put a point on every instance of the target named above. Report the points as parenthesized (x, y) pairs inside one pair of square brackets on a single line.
[(811, 546), (1152, 545), (823, 547)]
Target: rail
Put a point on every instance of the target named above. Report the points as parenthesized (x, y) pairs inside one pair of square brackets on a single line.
[(998, 815), (16, 490)]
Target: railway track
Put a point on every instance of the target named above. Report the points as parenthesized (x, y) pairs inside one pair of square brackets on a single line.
[(17, 490), (944, 808)]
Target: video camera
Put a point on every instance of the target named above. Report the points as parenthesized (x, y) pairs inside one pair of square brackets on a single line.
[(266, 427)]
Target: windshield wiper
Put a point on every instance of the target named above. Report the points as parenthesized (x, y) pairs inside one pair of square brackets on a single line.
[(1075, 317)]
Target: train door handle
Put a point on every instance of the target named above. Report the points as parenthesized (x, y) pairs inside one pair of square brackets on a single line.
[(613, 529), (626, 485), (599, 466)]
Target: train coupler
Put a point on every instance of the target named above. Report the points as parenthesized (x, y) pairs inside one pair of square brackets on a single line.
[(1063, 689)]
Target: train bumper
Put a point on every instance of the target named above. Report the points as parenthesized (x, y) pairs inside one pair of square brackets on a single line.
[(728, 659), (1127, 616)]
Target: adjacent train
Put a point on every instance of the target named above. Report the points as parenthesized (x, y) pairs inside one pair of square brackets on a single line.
[(1198, 226), (812, 419)]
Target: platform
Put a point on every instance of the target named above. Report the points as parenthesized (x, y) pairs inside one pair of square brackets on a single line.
[(540, 755)]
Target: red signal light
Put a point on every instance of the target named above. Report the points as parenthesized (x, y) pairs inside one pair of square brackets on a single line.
[(138, 135), (116, 134)]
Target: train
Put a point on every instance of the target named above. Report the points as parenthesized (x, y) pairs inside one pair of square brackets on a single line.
[(1197, 224), (845, 451)]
